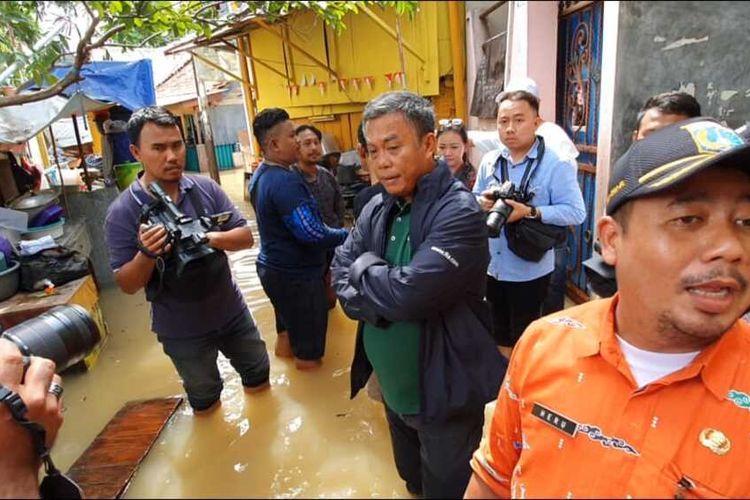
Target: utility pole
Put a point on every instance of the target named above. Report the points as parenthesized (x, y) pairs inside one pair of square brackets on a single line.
[(208, 136)]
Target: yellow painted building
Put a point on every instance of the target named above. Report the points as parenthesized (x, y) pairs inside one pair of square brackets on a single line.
[(325, 77)]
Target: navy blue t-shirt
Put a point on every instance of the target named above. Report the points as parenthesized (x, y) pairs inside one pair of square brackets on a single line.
[(172, 318), (293, 238)]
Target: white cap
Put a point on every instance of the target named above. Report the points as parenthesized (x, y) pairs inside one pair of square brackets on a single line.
[(525, 84)]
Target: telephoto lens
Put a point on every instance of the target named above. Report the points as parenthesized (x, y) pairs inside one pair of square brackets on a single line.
[(65, 334), (497, 217)]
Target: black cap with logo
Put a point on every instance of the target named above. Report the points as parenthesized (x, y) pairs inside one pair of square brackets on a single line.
[(671, 155)]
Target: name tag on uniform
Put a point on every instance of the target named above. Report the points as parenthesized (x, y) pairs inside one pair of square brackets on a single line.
[(559, 422)]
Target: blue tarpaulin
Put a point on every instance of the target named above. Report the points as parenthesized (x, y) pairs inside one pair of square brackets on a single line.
[(130, 84)]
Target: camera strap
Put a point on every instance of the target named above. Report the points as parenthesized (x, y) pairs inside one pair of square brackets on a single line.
[(55, 484), (528, 173), (195, 200)]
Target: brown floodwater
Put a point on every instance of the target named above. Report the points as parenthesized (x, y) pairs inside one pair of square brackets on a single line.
[(303, 438)]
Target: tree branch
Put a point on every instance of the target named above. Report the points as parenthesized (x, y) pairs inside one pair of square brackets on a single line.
[(73, 76), (213, 23), (206, 7), (106, 36), (132, 45), (88, 9)]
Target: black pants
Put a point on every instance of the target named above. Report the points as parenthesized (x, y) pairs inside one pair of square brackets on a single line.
[(433, 458), (301, 309), (514, 305), (195, 359), (555, 300)]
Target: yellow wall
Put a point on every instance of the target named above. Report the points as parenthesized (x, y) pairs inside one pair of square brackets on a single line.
[(362, 49)]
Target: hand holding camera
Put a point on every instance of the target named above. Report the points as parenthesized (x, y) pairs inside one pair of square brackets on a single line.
[(31, 393), (168, 227), (19, 461), (154, 239), (508, 206)]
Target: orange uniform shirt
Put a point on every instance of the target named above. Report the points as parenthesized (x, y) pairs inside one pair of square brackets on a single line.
[(570, 421)]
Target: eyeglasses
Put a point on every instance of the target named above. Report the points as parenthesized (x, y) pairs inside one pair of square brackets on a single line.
[(450, 123)]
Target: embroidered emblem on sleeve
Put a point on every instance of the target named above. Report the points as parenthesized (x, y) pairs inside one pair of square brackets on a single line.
[(566, 321)]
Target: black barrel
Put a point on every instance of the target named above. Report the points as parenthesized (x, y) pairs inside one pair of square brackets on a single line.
[(65, 334)]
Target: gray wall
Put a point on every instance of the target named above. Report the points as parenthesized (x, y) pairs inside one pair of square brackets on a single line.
[(699, 47), (92, 209)]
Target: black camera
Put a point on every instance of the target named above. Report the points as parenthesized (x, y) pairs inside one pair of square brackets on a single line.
[(186, 235), (65, 334), (600, 275), (500, 211)]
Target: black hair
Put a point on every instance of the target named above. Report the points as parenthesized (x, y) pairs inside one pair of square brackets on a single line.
[(671, 103), (361, 135), (312, 129), (265, 121), (520, 95), (622, 215), (461, 131), (157, 115)]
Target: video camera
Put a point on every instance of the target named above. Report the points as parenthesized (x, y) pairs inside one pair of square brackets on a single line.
[(186, 235), (500, 211)]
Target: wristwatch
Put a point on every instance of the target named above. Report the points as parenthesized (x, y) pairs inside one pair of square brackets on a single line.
[(533, 214)]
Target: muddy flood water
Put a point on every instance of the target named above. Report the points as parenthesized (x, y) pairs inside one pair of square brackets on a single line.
[(303, 438)]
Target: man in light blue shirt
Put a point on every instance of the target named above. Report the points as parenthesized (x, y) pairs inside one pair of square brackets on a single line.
[(516, 287)]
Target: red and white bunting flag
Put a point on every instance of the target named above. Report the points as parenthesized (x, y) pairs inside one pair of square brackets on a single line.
[(389, 79), (401, 80)]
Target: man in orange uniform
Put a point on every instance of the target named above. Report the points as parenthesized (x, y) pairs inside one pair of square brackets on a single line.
[(646, 394)]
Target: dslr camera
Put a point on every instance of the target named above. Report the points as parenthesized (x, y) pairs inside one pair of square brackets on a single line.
[(500, 211)]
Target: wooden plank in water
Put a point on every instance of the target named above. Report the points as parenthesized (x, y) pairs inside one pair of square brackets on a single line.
[(105, 469)]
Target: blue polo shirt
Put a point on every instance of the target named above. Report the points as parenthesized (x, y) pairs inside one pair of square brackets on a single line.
[(171, 318), (556, 193)]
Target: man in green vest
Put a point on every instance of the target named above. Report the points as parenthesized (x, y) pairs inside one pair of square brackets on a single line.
[(412, 271)]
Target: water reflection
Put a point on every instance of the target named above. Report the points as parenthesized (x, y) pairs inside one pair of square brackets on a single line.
[(302, 438)]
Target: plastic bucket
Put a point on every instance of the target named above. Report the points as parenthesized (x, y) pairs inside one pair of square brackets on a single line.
[(10, 279), (125, 173)]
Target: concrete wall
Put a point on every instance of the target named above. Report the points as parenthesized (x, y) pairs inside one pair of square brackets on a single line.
[(92, 208), (477, 32), (699, 47), (532, 49), (542, 54)]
